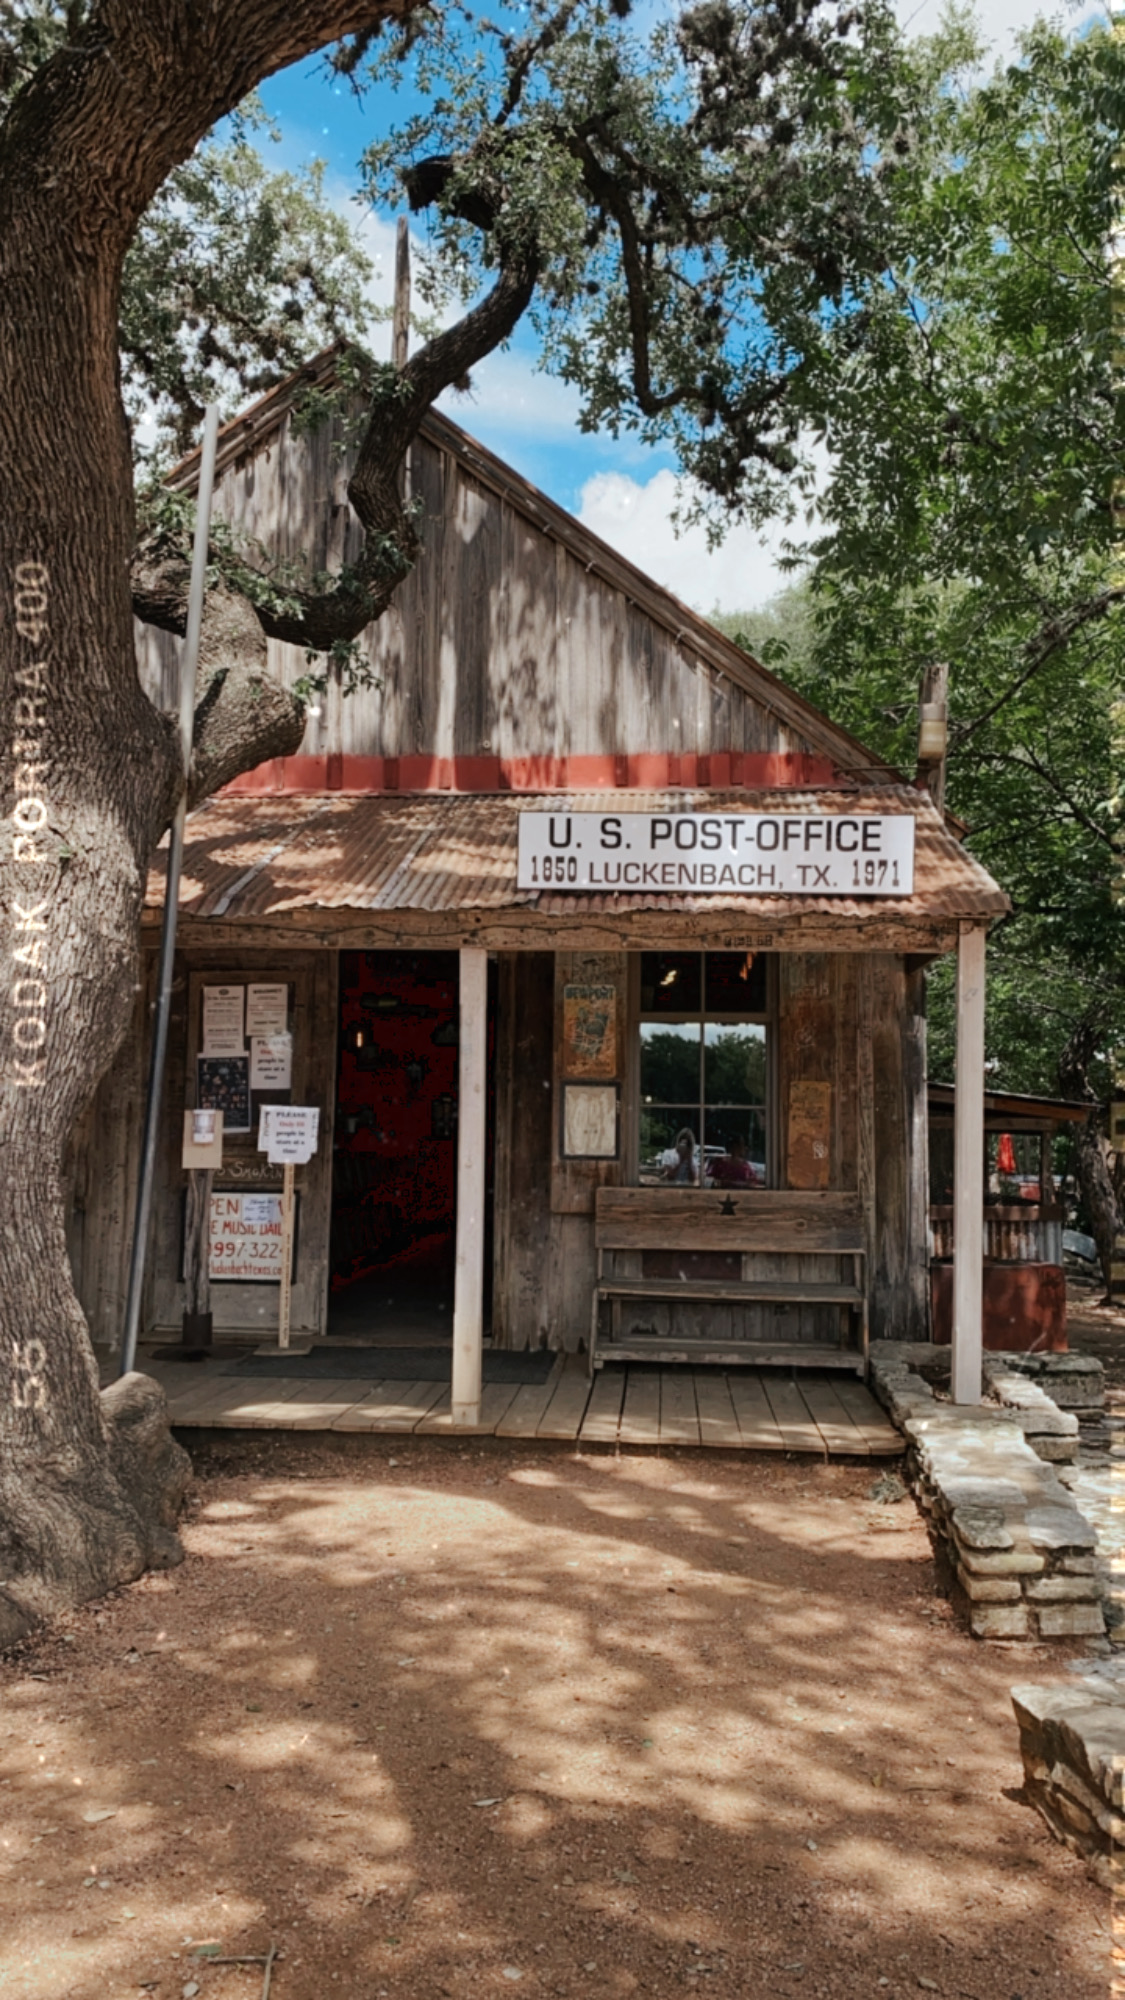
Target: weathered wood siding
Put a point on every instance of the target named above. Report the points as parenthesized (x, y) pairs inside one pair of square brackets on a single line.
[(500, 643), (900, 1274), (104, 1158), (521, 1304), (857, 1021)]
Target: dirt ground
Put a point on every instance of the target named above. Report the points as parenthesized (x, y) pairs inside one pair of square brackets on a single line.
[(442, 1720), (1096, 1328)]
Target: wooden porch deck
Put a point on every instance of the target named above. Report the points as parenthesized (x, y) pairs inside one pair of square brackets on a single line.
[(743, 1410)]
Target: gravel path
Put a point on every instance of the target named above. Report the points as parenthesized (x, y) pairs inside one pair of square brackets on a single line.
[(450, 1721)]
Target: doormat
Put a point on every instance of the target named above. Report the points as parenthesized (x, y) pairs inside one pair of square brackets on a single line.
[(392, 1364)]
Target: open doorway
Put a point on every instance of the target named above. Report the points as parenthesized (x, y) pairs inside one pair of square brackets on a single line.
[(394, 1170)]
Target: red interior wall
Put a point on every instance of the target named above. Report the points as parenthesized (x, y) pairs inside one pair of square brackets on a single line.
[(394, 1178)]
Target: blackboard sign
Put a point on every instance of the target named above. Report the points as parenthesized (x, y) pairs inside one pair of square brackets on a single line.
[(223, 1084)]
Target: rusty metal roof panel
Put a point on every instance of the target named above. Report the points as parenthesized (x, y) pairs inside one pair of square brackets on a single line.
[(249, 859)]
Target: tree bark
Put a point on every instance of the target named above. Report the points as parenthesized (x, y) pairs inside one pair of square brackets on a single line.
[(89, 1483), (1091, 1153), (340, 611)]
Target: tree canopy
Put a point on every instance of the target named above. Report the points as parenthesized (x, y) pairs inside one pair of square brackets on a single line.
[(972, 426), (695, 202), (236, 275)]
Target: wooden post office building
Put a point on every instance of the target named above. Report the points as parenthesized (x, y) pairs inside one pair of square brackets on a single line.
[(601, 953)]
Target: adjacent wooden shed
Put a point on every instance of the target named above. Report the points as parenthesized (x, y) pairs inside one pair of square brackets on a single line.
[(1024, 1281), (664, 1092)]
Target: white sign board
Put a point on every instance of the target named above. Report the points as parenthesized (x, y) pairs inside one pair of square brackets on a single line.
[(222, 1020), (246, 1239), (271, 1062), (718, 854), (288, 1133)]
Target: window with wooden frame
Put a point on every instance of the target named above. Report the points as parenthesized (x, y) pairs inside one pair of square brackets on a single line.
[(703, 1070)]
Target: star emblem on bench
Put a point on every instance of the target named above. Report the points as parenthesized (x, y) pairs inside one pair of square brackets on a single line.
[(727, 1207)]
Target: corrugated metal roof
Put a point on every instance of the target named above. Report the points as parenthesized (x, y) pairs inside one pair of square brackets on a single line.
[(249, 859)]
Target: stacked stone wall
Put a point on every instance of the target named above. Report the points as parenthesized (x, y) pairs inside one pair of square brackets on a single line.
[(1072, 1741), (1006, 1532)]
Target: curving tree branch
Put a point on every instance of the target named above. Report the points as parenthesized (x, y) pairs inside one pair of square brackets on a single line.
[(320, 618), (244, 716)]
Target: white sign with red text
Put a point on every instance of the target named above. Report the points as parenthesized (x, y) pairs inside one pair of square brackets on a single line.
[(287, 1133), (246, 1239)]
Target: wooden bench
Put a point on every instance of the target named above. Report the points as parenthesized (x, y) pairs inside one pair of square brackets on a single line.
[(744, 1223)]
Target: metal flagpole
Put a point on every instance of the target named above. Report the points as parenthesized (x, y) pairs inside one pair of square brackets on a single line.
[(143, 1213)]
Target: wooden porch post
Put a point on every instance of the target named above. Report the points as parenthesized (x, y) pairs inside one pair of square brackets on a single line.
[(468, 1289), (968, 1167)]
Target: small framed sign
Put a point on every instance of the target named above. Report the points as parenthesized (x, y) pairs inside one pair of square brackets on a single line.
[(590, 1031), (223, 1084), (589, 1121)]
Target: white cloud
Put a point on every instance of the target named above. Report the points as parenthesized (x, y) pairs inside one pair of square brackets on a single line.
[(636, 520), (509, 394), (999, 19)]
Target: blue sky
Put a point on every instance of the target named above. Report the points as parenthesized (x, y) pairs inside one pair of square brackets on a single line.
[(621, 491)]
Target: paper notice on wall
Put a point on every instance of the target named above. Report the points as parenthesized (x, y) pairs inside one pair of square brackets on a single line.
[(267, 1010), (287, 1133), (260, 1209), (810, 1134), (223, 1008), (271, 1062)]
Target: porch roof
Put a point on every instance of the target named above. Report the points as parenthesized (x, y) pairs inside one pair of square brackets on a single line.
[(258, 860)]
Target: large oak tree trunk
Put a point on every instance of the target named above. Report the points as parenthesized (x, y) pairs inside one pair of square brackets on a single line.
[(90, 1484), (89, 774)]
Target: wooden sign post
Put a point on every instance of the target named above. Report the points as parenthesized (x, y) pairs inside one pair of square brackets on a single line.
[(286, 1299), (202, 1153), (287, 1135), (197, 1332)]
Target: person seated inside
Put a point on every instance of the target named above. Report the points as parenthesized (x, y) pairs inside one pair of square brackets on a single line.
[(683, 1169), (734, 1169)]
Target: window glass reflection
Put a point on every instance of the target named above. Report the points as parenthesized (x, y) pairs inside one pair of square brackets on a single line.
[(703, 1070), (669, 1149), (671, 982), (670, 1062), (734, 1062)]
